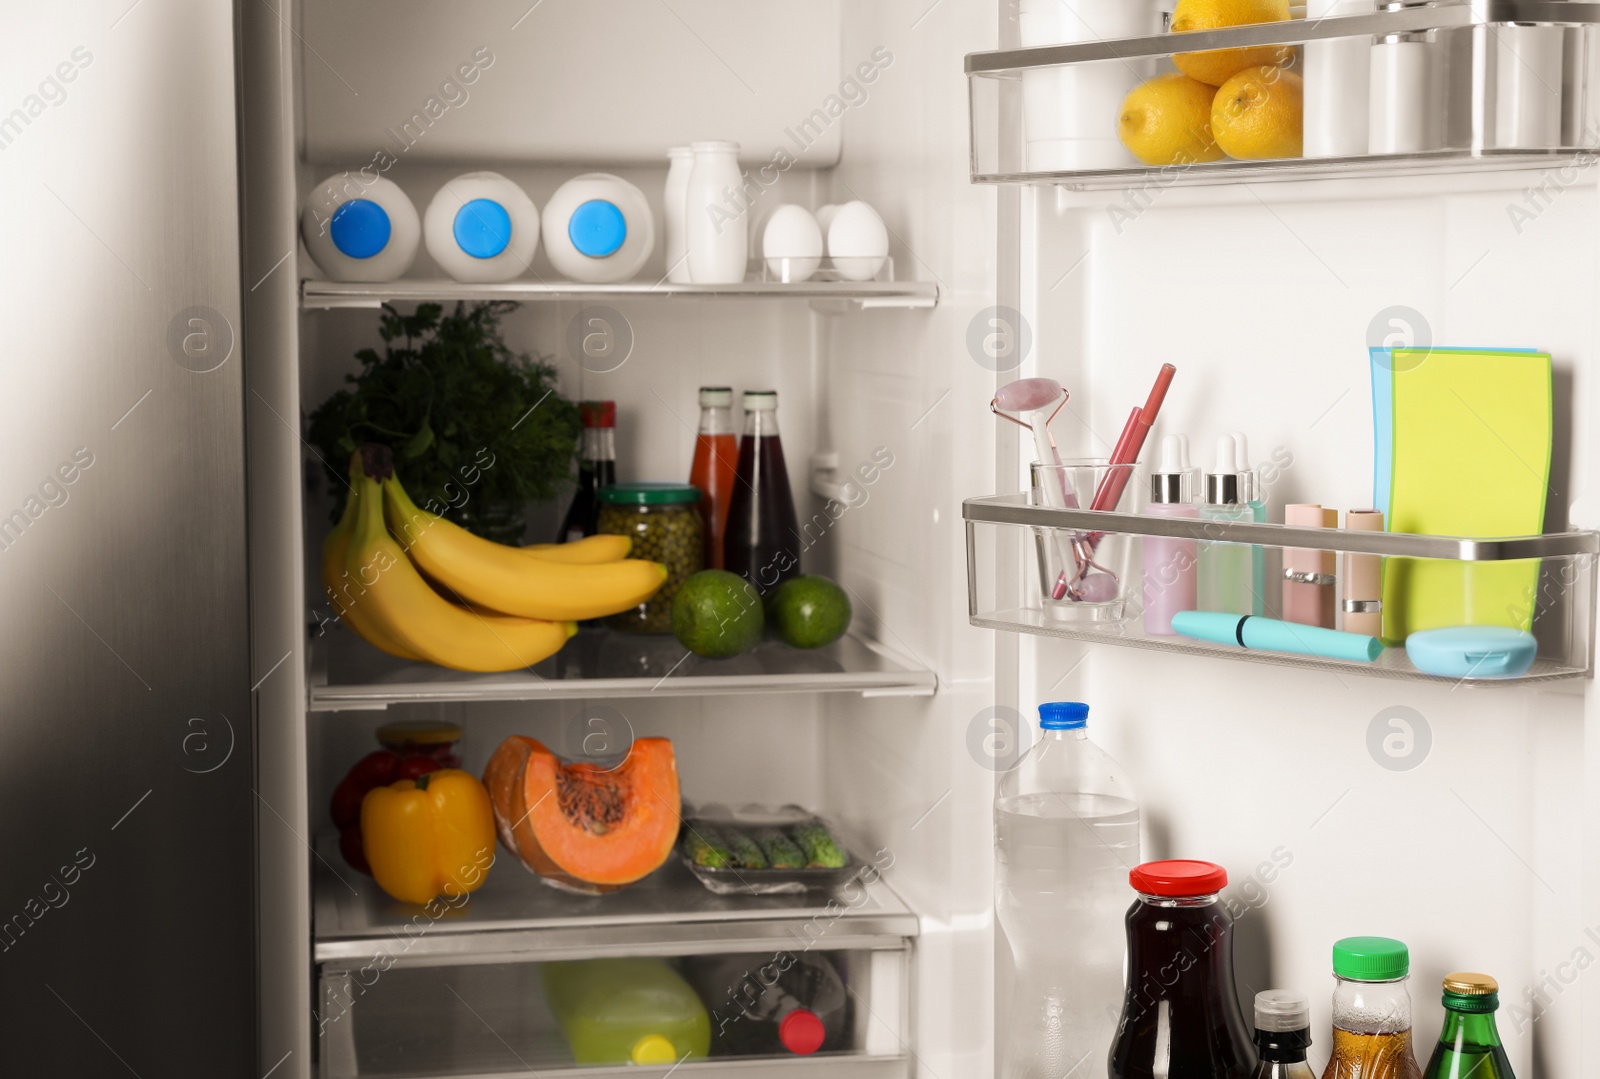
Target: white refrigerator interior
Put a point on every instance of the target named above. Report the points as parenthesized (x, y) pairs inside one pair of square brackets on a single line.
[(1471, 837)]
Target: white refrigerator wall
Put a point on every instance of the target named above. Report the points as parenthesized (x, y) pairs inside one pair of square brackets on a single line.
[(1473, 841)]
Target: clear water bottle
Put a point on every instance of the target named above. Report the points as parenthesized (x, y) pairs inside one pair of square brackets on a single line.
[(1066, 835)]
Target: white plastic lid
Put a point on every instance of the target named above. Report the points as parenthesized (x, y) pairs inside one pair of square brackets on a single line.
[(1280, 1010), (760, 400), (716, 397), (1171, 457)]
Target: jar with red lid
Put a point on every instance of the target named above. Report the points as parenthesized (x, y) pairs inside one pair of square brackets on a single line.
[(1180, 1012)]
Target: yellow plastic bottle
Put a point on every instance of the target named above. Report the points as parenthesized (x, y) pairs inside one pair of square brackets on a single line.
[(626, 1011)]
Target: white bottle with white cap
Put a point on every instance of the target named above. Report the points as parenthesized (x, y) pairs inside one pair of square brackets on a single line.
[(598, 228), (674, 203), (717, 215), (481, 227), (360, 230)]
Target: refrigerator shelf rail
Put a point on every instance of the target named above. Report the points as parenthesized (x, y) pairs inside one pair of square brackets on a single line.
[(1023, 129), (1006, 530), (516, 917), (347, 674), (863, 295)]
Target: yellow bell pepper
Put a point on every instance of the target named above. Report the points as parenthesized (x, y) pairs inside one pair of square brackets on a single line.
[(429, 836)]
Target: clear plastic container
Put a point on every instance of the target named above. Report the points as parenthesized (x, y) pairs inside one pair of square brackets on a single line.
[(1066, 836), (1371, 1011)]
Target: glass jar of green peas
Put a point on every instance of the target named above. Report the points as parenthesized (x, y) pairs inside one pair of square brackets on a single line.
[(664, 523)]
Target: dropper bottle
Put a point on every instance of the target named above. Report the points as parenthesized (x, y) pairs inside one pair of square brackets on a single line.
[(1169, 564), (1283, 1032), (1251, 494), (1224, 568)]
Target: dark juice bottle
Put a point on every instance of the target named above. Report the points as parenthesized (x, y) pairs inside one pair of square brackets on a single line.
[(716, 459), (762, 542), (597, 468), (1180, 1012)]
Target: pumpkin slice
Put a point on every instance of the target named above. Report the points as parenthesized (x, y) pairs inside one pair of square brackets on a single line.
[(579, 825)]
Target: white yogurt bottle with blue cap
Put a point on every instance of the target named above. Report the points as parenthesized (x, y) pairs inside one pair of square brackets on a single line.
[(598, 228), (481, 227), (358, 229)]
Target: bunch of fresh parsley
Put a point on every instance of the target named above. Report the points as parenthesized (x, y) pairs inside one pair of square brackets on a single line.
[(447, 396)]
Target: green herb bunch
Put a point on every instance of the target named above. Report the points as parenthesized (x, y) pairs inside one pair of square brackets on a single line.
[(448, 396)]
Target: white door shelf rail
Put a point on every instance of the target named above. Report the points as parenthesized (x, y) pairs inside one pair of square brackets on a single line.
[(1562, 606), (316, 294), (1464, 31)]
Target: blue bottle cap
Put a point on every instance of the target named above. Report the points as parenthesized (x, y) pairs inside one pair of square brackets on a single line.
[(359, 228), (1472, 651), (1063, 716), (597, 228), (483, 228)]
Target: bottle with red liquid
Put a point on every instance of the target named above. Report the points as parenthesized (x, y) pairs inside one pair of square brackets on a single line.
[(716, 458), (597, 468), (1180, 1011), (762, 543)]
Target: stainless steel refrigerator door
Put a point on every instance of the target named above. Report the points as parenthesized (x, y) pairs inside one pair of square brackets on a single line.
[(127, 816)]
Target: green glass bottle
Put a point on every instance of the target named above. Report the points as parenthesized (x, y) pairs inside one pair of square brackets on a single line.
[(1469, 1044)]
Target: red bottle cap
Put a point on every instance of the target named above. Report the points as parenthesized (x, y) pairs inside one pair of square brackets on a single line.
[(801, 1032), (1178, 878), (598, 413)]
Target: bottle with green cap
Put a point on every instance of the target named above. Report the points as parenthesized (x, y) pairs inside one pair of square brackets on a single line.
[(1371, 1011), (1469, 1044)]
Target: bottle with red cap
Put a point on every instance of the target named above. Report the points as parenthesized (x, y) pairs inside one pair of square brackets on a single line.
[(770, 1003), (1180, 1011), (1066, 833), (597, 468)]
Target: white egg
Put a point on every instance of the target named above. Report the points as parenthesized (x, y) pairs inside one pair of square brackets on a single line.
[(825, 217), (791, 243), (858, 242)]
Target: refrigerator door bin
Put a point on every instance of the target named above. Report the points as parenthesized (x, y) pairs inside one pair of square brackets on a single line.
[(1408, 89), (1557, 600)]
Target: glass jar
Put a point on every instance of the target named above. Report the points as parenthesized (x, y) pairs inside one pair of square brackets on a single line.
[(422, 738), (663, 521), (1180, 1012)]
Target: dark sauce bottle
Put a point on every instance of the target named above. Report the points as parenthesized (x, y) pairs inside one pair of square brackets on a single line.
[(1180, 1012), (762, 543)]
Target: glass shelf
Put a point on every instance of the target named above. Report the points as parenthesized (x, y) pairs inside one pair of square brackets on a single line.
[(347, 674), (862, 295), (1009, 530), (517, 916), (1049, 114)]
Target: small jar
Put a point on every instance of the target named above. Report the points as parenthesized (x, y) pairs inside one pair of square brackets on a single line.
[(422, 738), (663, 520)]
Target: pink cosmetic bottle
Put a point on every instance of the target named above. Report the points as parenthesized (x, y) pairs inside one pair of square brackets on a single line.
[(1169, 564)]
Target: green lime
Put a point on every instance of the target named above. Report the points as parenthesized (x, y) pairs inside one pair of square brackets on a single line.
[(717, 613), (810, 611)]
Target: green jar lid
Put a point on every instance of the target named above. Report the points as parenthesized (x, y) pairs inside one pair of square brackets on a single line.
[(1371, 959), (649, 494)]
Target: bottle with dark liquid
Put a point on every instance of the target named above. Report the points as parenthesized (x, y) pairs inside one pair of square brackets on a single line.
[(1180, 1012), (1283, 1033), (1469, 1044), (762, 543), (1371, 1011), (771, 1003), (716, 457), (597, 468)]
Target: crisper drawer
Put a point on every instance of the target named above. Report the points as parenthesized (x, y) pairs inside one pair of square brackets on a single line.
[(796, 1012)]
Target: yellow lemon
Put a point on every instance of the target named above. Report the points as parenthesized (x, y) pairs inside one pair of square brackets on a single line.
[(1167, 121), (1217, 66), (1257, 114)]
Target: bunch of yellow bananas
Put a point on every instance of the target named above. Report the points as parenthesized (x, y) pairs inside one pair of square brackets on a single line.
[(483, 606)]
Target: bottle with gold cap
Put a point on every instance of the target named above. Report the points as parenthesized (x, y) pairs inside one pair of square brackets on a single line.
[(1469, 1044)]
